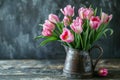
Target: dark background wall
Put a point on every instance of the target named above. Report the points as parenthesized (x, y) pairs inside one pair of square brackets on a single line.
[(19, 21)]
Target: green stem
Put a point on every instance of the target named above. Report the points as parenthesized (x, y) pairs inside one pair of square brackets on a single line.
[(69, 45), (59, 27), (56, 33), (81, 40)]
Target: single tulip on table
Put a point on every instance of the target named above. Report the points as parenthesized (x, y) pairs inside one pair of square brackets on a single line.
[(103, 72)]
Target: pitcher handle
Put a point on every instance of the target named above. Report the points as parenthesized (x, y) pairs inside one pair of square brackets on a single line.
[(98, 58)]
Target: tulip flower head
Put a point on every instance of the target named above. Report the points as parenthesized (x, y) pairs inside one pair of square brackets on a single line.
[(95, 22), (103, 72), (48, 25), (67, 36), (68, 11), (85, 13), (66, 20), (53, 18), (76, 26), (46, 32), (105, 18)]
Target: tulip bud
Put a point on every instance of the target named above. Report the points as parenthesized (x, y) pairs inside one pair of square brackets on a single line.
[(105, 17), (95, 22), (76, 26), (85, 13), (66, 21), (68, 11), (53, 18), (48, 25), (46, 32)]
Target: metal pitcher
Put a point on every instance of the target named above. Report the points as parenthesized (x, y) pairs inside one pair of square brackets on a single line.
[(79, 64)]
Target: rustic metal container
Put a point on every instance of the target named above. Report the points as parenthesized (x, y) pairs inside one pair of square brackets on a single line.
[(79, 64)]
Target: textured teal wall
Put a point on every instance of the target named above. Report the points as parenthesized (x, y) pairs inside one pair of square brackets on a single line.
[(19, 21)]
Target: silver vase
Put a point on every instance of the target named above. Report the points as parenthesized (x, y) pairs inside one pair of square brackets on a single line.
[(79, 64)]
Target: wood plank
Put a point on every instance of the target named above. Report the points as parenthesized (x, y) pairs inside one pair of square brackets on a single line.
[(48, 69)]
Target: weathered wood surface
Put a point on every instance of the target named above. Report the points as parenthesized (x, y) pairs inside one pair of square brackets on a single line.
[(48, 69)]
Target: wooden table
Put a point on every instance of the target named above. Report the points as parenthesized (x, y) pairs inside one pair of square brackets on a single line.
[(49, 69)]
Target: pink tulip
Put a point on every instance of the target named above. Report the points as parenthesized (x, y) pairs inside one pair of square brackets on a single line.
[(95, 22), (68, 11), (105, 17), (46, 32), (66, 21), (76, 26), (85, 13), (48, 25), (67, 36), (53, 18), (103, 72)]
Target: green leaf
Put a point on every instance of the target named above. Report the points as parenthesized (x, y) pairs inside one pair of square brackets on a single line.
[(78, 41), (85, 26), (104, 32), (101, 12), (40, 24), (95, 12), (75, 39), (98, 33), (85, 34), (105, 35), (101, 28), (60, 26), (90, 6), (38, 37), (48, 40), (108, 29), (91, 36), (81, 40), (98, 36), (69, 45), (88, 46), (55, 34)]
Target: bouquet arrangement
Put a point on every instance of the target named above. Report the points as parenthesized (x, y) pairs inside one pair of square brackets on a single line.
[(78, 32)]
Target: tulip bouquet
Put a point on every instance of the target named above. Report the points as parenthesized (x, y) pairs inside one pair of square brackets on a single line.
[(78, 32)]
